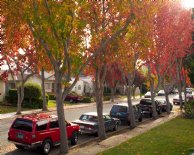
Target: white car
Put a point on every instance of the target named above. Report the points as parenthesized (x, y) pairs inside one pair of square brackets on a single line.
[(147, 95), (161, 93), (189, 90), (176, 99)]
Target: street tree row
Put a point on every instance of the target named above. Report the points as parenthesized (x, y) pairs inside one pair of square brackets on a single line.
[(103, 37)]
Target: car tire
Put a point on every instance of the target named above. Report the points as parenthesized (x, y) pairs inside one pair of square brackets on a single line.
[(140, 119), (71, 101), (150, 115), (46, 146), (74, 138), (115, 127), (19, 147), (159, 111)]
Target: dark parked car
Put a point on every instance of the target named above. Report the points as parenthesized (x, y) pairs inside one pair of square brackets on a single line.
[(89, 123), (146, 106), (40, 130), (163, 105), (121, 111), (73, 97)]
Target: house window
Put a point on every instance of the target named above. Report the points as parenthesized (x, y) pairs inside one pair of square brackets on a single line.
[(11, 85), (47, 86), (79, 87)]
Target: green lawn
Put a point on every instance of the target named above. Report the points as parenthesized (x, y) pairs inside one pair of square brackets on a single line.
[(175, 137), (7, 109), (52, 103)]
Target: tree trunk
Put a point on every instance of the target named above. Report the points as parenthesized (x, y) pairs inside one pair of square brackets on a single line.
[(133, 91), (166, 92), (131, 112), (141, 90), (179, 84), (20, 93), (112, 94), (19, 104), (61, 116), (167, 100), (154, 113), (159, 85), (44, 106), (99, 105)]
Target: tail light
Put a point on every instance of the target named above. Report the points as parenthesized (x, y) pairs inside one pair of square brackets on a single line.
[(89, 127), (33, 136)]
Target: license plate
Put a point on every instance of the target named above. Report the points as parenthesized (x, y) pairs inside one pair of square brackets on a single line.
[(20, 135), (81, 126)]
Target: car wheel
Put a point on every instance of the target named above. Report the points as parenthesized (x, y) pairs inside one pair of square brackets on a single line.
[(140, 119), (115, 127), (74, 138), (19, 147), (71, 100), (159, 111), (150, 115), (46, 146)]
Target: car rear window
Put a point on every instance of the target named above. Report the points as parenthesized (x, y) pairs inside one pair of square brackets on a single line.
[(22, 124), (117, 108), (89, 118), (145, 102)]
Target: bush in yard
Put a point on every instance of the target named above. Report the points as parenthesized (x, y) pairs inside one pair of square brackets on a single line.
[(86, 100), (106, 98), (189, 109), (52, 96), (32, 91), (12, 96), (32, 96)]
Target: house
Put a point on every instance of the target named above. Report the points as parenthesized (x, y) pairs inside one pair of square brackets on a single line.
[(84, 85)]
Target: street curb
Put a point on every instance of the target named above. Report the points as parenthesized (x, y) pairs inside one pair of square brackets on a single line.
[(13, 114), (109, 134)]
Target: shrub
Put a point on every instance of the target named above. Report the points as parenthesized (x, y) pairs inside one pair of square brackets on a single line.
[(52, 96), (32, 91), (86, 100), (12, 96), (35, 103), (189, 109), (106, 98)]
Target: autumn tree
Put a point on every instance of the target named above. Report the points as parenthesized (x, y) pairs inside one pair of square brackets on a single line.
[(106, 21), (139, 80), (113, 78), (171, 49), (18, 51)]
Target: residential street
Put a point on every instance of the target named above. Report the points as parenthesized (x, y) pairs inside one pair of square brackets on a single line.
[(71, 114)]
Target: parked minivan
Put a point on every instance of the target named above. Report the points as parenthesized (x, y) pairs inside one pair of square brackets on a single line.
[(121, 111)]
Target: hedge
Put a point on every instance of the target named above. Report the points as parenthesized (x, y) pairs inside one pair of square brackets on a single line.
[(86, 100), (32, 91), (32, 96), (189, 109)]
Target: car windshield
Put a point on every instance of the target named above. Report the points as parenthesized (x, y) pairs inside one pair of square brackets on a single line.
[(145, 102), (21, 124), (117, 108), (148, 93), (89, 118)]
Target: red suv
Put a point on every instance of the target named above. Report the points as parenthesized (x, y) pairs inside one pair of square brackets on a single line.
[(40, 130)]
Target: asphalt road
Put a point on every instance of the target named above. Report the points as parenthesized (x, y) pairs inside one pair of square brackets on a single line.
[(70, 114)]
